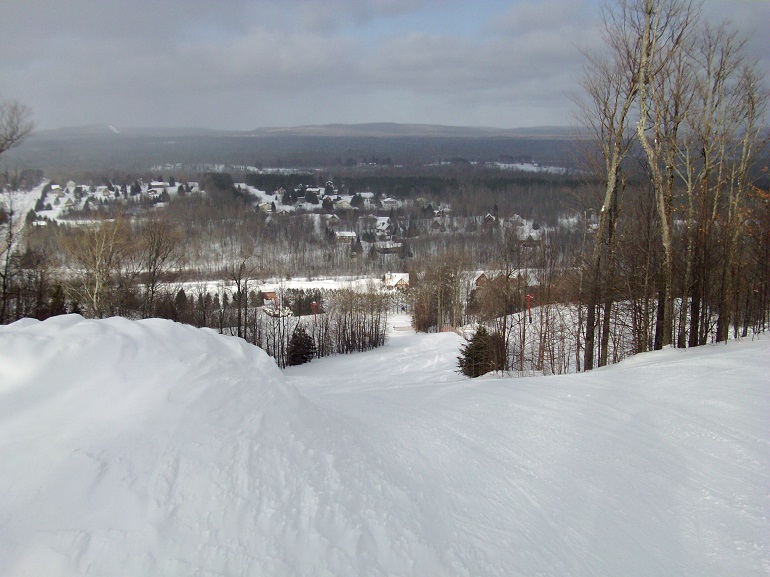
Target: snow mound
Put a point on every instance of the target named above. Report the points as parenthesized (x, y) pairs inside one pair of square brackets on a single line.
[(154, 448), (657, 466), (138, 448)]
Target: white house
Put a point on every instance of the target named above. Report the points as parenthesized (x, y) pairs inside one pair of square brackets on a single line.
[(397, 280), (344, 236)]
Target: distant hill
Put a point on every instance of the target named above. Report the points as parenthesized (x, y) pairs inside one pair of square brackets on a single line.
[(105, 146), (389, 129), (380, 129)]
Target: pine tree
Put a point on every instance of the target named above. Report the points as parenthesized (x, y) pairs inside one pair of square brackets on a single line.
[(484, 353), (301, 348)]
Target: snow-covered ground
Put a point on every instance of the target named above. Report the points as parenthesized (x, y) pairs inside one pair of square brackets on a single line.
[(135, 448)]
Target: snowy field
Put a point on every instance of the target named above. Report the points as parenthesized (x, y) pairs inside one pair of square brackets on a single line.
[(153, 448)]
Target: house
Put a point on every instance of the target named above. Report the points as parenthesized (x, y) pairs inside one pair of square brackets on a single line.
[(499, 279), (399, 280), (438, 224), (344, 236), (532, 241), (390, 202), (530, 237), (332, 221), (387, 247), (269, 295), (384, 227), (265, 207), (489, 221), (481, 279)]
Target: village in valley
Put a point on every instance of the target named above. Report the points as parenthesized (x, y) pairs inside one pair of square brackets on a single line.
[(362, 222)]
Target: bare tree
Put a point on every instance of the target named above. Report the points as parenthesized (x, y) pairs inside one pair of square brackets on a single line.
[(609, 94), (15, 124), (9, 223), (712, 126), (665, 28), (99, 252), (699, 110), (751, 103), (160, 254), (241, 272)]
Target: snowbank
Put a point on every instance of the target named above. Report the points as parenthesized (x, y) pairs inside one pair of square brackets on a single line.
[(153, 448)]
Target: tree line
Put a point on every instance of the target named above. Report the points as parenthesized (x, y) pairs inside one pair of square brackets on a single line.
[(675, 249)]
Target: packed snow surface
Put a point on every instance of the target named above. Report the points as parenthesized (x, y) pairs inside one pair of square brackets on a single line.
[(153, 448)]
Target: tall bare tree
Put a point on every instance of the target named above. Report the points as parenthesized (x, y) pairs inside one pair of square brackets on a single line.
[(665, 28), (99, 253), (160, 253), (609, 93), (15, 124), (699, 106), (711, 128), (751, 103), (241, 271)]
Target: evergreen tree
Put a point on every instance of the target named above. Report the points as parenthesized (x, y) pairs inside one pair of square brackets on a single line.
[(483, 353), (311, 197), (301, 348), (180, 305), (57, 305), (356, 247)]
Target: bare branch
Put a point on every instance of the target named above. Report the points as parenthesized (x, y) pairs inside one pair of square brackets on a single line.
[(15, 124)]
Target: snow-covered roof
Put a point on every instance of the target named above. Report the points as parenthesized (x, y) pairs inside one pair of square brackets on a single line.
[(393, 279)]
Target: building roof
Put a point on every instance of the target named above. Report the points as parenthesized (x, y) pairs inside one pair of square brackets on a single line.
[(393, 279)]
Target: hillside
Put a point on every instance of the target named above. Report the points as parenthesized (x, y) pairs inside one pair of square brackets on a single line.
[(153, 448)]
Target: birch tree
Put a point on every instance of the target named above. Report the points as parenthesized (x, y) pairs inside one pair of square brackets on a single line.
[(99, 252), (605, 109), (665, 28)]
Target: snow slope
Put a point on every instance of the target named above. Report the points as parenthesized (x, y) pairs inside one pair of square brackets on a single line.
[(153, 448)]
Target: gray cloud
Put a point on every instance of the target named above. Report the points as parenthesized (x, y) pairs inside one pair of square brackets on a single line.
[(243, 64)]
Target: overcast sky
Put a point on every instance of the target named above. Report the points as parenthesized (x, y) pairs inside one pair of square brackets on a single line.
[(245, 64)]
